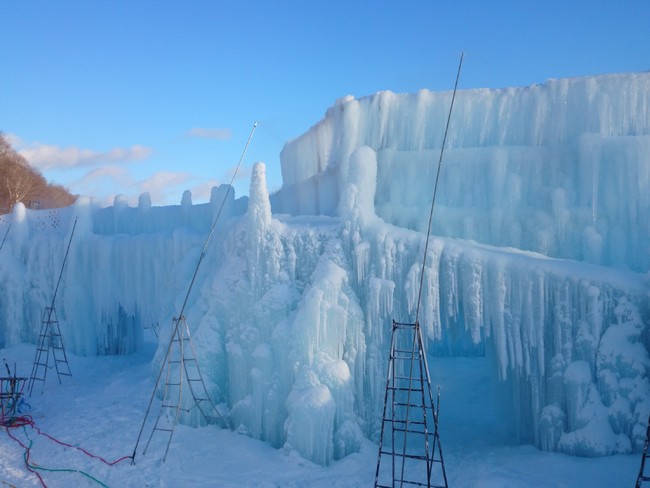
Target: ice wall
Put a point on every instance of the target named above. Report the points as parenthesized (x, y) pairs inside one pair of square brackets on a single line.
[(560, 168), (291, 314), (125, 272)]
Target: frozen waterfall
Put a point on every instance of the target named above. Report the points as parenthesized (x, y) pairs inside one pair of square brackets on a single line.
[(538, 262)]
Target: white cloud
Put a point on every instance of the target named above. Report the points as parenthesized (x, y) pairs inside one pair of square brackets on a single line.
[(116, 174), (163, 178), (203, 191), (99, 183), (48, 156), (206, 133), (164, 185), (243, 172)]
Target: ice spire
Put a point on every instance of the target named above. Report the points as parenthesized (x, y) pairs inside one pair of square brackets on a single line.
[(262, 265)]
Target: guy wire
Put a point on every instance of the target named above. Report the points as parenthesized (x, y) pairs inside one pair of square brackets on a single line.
[(435, 190), (196, 270), (5, 237)]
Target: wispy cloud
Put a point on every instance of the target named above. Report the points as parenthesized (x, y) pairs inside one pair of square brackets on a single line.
[(49, 156), (203, 191), (106, 175), (116, 174), (164, 186), (242, 173), (206, 133)]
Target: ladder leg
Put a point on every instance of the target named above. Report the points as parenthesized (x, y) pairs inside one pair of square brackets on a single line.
[(642, 477)]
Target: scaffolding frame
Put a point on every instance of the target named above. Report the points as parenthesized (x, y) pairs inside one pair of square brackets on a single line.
[(181, 372), (50, 336), (409, 441)]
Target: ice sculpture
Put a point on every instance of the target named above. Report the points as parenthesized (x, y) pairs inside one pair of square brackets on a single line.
[(540, 246)]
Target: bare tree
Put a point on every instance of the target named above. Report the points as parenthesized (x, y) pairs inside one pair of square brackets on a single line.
[(19, 182)]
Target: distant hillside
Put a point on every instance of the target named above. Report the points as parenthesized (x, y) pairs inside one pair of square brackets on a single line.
[(19, 182)]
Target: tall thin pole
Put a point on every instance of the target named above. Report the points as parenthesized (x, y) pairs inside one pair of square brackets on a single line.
[(196, 270), (435, 189), (216, 219), (58, 282), (5, 237), (65, 258), (50, 312)]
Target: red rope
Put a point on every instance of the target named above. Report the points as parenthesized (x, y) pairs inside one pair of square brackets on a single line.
[(27, 450), (26, 420), (33, 425)]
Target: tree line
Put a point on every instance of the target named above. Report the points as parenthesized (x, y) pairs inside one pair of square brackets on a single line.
[(19, 182)]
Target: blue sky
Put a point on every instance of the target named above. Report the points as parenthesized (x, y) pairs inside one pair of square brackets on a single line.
[(121, 97)]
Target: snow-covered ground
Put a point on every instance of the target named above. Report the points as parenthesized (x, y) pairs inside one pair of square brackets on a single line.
[(102, 408)]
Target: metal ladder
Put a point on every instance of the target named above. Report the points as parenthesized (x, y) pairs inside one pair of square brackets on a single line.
[(410, 453), (182, 371), (49, 338), (643, 477)]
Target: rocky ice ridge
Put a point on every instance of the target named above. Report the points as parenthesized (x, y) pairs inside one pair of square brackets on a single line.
[(291, 316)]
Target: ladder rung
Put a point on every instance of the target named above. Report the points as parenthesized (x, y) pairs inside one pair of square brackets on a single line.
[(398, 388), (415, 483), (414, 432), (413, 456), (409, 378), (411, 422), (411, 482), (408, 456), (412, 405)]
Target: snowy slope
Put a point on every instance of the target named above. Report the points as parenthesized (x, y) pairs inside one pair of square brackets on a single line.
[(102, 410)]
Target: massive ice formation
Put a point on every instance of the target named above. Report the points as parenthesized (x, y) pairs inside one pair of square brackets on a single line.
[(559, 168), (539, 246)]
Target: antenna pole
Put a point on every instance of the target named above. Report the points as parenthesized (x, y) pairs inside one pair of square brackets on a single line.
[(187, 295), (65, 258), (5, 237), (216, 219), (435, 188)]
